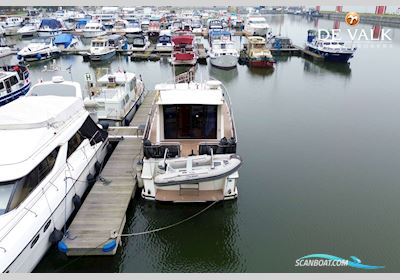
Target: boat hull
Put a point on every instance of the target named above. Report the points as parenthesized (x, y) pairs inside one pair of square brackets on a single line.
[(257, 63), (46, 33), (14, 95), (93, 34), (29, 257), (224, 61), (102, 56), (332, 56), (40, 56)]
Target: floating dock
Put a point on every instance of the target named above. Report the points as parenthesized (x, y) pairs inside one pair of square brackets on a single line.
[(96, 227)]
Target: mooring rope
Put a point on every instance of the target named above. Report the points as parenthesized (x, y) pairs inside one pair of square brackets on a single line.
[(169, 226)]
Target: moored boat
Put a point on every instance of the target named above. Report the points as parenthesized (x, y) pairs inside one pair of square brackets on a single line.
[(164, 43), (258, 54), (190, 145), (115, 97), (223, 53), (100, 49), (93, 29), (330, 48), (14, 83), (39, 49), (183, 52), (50, 27), (49, 153)]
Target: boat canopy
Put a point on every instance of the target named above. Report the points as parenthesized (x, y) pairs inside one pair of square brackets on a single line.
[(185, 40), (164, 39), (51, 23), (219, 33), (63, 39)]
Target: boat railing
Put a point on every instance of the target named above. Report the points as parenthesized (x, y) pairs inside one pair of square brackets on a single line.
[(229, 103)]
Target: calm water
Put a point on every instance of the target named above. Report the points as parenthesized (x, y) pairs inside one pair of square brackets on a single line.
[(321, 145)]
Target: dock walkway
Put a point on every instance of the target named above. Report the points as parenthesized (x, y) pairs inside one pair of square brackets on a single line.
[(103, 213)]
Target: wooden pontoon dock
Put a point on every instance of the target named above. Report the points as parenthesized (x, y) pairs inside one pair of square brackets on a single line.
[(102, 216)]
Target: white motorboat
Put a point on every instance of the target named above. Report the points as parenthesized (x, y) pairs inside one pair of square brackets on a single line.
[(133, 29), (39, 49), (50, 27), (120, 26), (330, 48), (139, 43), (5, 51), (93, 29), (101, 50), (14, 82), (164, 43), (11, 25), (114, 98), (256, 25), (51, 153), (28, 30), (190, 144), (223, 53)]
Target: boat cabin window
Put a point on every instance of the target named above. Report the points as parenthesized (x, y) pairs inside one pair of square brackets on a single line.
[(13, 80), (1, 87), (190, 121), (74, 143), (12, 193)]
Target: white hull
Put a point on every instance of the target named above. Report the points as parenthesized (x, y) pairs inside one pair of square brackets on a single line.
[(93, 34), (5, 51), (164, 48), (29, 258), (141, 48), (102, 56), (224, 61), (48, 33), (223, 188)]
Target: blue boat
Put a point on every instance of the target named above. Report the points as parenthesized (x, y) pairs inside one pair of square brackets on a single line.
[(65, 41), (14, 82), (330, 48)]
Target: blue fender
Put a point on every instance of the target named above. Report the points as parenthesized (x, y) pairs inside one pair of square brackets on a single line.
[(109, 246)]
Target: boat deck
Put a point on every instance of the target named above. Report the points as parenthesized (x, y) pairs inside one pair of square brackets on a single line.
[(103, 212), (189, 145)]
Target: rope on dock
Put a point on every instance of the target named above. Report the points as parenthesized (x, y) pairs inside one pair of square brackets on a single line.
[(140, 233)]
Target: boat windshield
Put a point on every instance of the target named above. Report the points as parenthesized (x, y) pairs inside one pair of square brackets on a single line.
[(53, 89), (6, 190)]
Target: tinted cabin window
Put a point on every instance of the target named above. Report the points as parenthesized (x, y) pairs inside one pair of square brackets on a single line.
[(14, 80), (26, 185), (74, 143), (89, 130), (190, 121), (1, 86)]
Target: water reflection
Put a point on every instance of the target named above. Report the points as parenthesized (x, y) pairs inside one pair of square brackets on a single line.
[(261, 71), (223, 75), (319, 68)]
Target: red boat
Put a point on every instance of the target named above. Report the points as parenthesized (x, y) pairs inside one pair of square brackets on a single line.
[(261, 63), (258, 54), (183, 53)]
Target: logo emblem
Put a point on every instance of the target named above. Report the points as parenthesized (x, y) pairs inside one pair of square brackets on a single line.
[(352, 18)]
